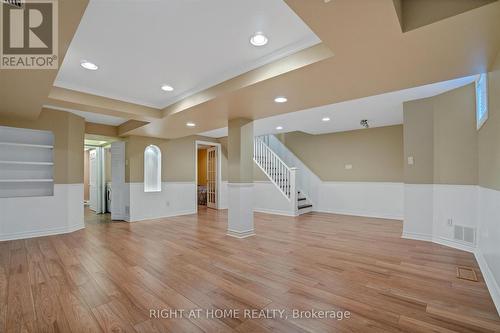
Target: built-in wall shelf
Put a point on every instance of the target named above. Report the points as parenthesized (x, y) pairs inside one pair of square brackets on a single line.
[(26, 162), (25, 145)]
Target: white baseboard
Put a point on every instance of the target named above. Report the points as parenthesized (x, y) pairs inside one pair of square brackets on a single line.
[(242, 234), (41, 233), (454, 244), (274, 212), (491, 283), (439, 240), (172, 214), (359, 213), (417, 236)]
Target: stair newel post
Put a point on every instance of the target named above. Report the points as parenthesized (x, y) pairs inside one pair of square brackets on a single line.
[(293, 189)]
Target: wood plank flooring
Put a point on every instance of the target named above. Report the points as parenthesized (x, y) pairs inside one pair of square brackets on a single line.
[(108, 276)]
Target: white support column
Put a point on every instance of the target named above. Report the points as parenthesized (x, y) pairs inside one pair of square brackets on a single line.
[(240, 182)]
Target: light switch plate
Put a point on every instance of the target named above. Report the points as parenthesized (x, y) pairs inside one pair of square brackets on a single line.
[(348, 166), (410, 160)]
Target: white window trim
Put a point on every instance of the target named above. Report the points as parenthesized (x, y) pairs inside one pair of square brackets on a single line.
[(480, 122)]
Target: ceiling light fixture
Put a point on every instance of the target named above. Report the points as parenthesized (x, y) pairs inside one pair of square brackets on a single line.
[(279, 128), (166, 87), (325, 119), (89, 65), (280, 99), (190, 124), (258, 39)]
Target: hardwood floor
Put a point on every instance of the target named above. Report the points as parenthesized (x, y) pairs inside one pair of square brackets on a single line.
[(108, 276), (92, 217)]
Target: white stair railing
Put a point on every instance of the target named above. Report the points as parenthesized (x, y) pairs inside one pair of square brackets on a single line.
[(307, 182), (271, 164)]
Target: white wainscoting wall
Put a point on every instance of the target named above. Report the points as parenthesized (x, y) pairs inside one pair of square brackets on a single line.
[(418, 211), (268, 199), (175, 198), (488, 245), (223, 204), (27, 217), (458, 203), (372, 199), (428, 207)]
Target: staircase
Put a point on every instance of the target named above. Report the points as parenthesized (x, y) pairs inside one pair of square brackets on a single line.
[(281, 175)]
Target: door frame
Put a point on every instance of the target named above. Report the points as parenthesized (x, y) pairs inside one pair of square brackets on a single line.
[(92, 178), (219, 169)]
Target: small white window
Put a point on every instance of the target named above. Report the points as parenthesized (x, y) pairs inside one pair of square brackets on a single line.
[(152, 169), (481, 100)]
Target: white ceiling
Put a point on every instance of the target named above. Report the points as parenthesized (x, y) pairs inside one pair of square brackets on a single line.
[(92, 117), (380, 110), (188, 44)]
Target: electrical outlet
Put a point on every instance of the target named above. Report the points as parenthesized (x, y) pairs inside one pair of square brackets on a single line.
[(348, 166), (450, 222)]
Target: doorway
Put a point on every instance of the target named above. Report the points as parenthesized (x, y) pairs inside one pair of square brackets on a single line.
[(97, 181), (208, 174)]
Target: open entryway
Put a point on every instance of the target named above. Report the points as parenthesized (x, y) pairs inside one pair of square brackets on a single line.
[(208, 174), (102, 177)]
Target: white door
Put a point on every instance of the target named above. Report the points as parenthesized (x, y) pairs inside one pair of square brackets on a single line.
[(118, 210), (212, 177), (93, 180)]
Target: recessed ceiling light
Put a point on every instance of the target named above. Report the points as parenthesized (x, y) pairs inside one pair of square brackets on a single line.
[(190, 124), (280, 99), (325, 119), (166, 87), (258, 39), (279, 128), (89, 65)]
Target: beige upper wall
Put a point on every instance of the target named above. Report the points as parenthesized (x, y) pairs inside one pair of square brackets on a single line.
[(455, 137), (419, 141), (178, 158), (240, 150), (489, 134), (376, 154), (440, 134), (69, 134)]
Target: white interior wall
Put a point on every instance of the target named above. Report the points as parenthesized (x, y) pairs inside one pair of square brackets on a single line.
[(372, 199), (267, 198), (488, 249), (175, 198), (429, 207), (41, 216)]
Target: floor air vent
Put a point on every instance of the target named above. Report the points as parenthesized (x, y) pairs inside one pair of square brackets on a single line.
[(466, 273), (465, 234)]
